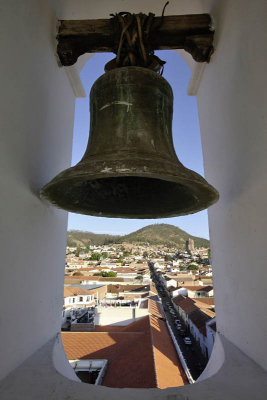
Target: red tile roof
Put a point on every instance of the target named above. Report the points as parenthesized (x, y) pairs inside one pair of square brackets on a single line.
[(140, 355), (208, 301), (73, 279), (199, 319), (108, 328), (186, 303), (169, 371), (113, 288), (155, 308), (133, 365), (109, 279), (75, 291)]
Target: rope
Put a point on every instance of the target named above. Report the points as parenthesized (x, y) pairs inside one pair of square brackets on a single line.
[(134, 48)]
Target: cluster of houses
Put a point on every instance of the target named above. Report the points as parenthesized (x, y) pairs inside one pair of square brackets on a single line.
[(123, 349), (192, 297), (116, 294), (79, 300)]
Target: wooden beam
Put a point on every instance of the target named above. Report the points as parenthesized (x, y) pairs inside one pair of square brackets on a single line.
[(192, 33)]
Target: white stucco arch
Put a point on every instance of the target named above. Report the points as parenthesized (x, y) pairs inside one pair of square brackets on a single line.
[(36, 124)]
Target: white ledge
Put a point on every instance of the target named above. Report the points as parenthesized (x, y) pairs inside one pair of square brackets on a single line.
[(75, 81), (195, 79), (234, 377)]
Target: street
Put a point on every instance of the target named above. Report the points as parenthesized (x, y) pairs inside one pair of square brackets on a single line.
[(193, 356)]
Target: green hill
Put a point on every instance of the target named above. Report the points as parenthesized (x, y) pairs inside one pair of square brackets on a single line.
[(165, 234), (158, 234), (82, 238)]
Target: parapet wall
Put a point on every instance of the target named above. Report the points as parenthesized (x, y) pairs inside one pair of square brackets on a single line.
[(118, 315)]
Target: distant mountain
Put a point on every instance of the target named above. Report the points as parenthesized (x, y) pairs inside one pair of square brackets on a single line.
[(166, 234), (82, 238), (158, 234)]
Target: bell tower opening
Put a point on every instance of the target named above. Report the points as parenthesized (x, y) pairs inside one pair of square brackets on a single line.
[(114, 273), (186, 140), (36, 124)]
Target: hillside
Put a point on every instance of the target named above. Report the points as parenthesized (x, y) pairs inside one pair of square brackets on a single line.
[(157, 234), (82, 238), (165, 234)]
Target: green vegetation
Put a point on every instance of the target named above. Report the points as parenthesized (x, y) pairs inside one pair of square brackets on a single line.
[(77, 252), (81, 238), (193, 267), (158, 234), (95, 256), (106, 274), (165, 234)]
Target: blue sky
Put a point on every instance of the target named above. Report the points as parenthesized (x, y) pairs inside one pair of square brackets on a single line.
[(186, 137)]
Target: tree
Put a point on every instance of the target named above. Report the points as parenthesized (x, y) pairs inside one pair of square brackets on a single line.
[(71, 243), (95, 256), (139, 278), (104, 254), (77, 252), (145, 254), (193, 267), (77, 274), (106, 274)]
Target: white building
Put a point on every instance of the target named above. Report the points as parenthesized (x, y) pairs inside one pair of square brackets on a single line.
[(197, 323), (168, 282), (37, 110), (199, 291), (177, 291), (80, 300)]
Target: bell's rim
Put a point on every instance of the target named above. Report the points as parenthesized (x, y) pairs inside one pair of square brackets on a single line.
[(203, 194)]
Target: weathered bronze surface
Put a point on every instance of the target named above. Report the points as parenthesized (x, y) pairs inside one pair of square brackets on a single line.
[(130, 169)]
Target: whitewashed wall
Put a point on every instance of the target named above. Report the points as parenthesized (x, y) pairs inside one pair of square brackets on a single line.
[(37, 107), (232, 102), (118, 316)]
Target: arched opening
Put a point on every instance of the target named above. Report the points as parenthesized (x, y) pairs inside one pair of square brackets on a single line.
[(190, 335), (37, 110)]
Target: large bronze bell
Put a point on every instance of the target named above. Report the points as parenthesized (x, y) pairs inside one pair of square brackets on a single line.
[(130, 169)]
